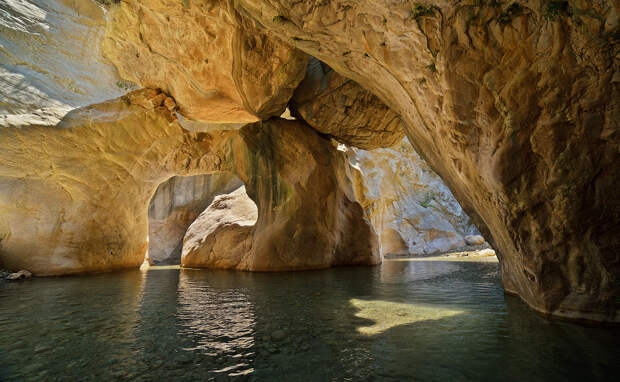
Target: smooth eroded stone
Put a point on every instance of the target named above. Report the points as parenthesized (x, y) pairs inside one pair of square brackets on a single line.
[(51, 60), (474, 239), (220, 67), (308, 217), (175, 206), (74, 197), (222, 234), (517, 111), (339, 107)]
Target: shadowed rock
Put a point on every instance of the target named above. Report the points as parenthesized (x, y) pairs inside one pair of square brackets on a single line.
[(337, 106), (222, 235), (517, 111), (175, 205)]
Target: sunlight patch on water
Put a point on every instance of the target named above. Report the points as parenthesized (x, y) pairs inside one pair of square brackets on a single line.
[(387, 314)]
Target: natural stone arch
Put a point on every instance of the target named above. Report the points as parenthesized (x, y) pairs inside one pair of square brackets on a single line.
[(75, 199), (516, 111)]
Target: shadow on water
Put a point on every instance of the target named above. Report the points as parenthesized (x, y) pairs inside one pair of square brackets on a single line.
[(399, 321)]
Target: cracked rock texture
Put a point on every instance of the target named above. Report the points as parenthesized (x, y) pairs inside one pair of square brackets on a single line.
[(411, 209), (219, 66), (516, 111), (337, 106), (175, 205)]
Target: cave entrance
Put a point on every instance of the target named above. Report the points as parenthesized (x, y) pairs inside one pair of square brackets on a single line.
[(411, 209), (176, 204)]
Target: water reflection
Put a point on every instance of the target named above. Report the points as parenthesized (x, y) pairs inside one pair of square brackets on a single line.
[(398, 321), (220, 322)]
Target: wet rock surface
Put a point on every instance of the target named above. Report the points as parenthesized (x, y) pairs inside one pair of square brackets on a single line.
[(21, 275)]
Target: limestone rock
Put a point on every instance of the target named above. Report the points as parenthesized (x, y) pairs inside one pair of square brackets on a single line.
[(74, 197), (474, 240), (222, 235), (219, 67), (21, 275), (516, 111), (175, 205), (51, 60), (339, 107), (307, 214), (411, 209)]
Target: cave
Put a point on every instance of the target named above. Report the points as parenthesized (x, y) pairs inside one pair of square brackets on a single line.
[(107, 107)]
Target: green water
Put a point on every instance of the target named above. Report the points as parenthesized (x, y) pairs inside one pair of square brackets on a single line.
[(443, 321)]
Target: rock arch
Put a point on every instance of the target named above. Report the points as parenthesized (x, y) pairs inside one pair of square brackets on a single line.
[(75, 198)]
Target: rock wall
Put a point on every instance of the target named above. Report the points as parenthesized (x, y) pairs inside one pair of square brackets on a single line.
[(411, 209), (51, 60), (222, 235), (74, 197), (175, 205), (514, 105), (307, 214), (219, 67), (338, 107)]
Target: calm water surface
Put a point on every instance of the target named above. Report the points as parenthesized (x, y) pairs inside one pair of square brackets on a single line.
[(403, 320)]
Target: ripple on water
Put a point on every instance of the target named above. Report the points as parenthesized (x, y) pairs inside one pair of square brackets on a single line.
[(399, 321)]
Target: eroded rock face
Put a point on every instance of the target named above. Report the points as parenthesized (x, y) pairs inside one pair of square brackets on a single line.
[(516, 109), (307, 214), (337, 106), (219, 67), (51, 60), (74, 197), (222, 235), (175, 205), (411, 209)]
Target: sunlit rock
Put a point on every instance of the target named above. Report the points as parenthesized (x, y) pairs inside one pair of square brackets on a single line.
[(411, 209), (175, 205), (51, 60), (386, 315), (74, 197), (220, 67), (516, 111)]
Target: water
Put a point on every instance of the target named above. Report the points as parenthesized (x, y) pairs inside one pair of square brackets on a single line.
[(403, 320)]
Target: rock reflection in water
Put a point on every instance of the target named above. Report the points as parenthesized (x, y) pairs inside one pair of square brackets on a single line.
[(220, 321)]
